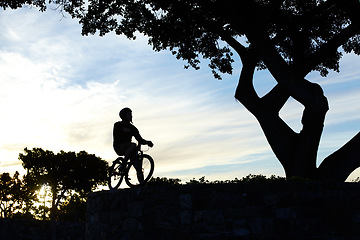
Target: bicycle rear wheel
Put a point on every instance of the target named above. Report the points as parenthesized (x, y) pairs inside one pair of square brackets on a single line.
[(147, 167), (115, 175)]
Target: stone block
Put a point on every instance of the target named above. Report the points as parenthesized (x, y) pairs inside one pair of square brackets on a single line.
[(135, 209), (202, 198), (131, 224), (185, 201), (234, 213), (213, 217), (261, 226), (241, 232), (285, 213), (186, 217)]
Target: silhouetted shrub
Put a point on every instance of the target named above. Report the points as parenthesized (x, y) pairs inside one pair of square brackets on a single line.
[(164, 181)]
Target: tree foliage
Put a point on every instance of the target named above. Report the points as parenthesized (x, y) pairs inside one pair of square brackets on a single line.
[(9, 190), (299, 30), (73, 209), (64, 172), (16, 198), (164, 181)]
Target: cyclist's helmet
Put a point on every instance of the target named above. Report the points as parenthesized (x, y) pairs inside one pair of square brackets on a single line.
[(123, 112)]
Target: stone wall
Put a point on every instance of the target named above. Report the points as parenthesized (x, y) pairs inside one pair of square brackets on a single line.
[(226, 211), (18, 229)]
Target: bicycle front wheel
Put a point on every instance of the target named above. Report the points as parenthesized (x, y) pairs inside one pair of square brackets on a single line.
[(146, 168), (115, 175)]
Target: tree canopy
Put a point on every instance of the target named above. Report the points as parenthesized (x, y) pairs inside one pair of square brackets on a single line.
[(300, 31), (64, 172), (15, 195)]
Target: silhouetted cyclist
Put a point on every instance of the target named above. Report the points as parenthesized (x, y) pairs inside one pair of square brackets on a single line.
[(122, 134)]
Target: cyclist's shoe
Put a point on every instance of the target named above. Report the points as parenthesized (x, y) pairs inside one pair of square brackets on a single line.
[(118, 160)]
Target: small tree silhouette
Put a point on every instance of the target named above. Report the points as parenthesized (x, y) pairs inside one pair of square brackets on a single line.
[(64, 172)]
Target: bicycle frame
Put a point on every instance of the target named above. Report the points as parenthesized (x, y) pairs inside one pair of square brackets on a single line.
[(134, 172)]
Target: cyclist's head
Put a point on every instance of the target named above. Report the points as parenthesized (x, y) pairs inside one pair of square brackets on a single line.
[(124, 112)]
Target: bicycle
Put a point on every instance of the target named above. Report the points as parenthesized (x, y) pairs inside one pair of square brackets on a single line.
[(128, 170)]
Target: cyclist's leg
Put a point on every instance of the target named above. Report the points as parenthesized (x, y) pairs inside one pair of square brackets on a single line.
[(135, 161), (125, 149), (139, 171), (130, 151)]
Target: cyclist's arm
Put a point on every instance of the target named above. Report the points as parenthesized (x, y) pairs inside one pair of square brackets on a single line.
[(145, 142), (140, 139)]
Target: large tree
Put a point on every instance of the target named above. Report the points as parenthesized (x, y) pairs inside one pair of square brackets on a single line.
[(64, 172), (290, 38)]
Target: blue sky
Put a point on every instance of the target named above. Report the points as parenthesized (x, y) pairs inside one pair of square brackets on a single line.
[(63, 91)]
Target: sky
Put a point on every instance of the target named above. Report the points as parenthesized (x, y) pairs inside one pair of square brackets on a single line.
[(63, 91)]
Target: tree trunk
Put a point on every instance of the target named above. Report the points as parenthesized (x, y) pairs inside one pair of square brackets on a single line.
[(53, 204), (297, 152), (343, 162)]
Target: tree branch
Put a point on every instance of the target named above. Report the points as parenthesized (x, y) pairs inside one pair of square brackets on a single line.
[(309, 63), (59, 197), (245, 91), (238, 47), (276, 98), (343, 162)]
